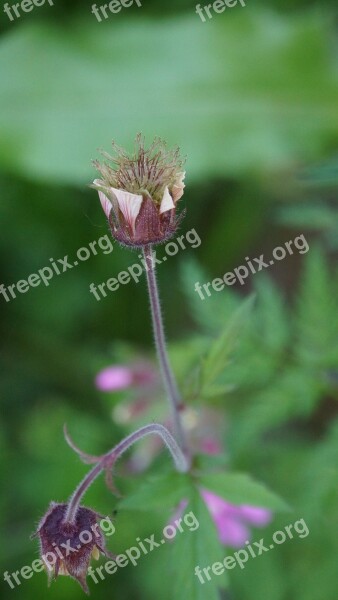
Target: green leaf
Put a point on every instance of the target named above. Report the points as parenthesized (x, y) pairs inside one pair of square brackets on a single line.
[(156, 492), (272, 323), (197, 548), (212, 312), (239, 488), (221, 349), (312, 216), (317, 314)]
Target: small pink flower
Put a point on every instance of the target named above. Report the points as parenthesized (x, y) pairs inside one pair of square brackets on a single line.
[(120, 377), (114, 378), (232, 521)]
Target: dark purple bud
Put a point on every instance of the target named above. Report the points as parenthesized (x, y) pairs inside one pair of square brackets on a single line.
[(67, 548)]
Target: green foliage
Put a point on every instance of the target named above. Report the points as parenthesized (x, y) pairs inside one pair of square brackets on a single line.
[(161, 491), (282, 380), (190, 548), (314, 205), (198, 548), (217, 358), (244, 78), (281, 363), (239, 488)]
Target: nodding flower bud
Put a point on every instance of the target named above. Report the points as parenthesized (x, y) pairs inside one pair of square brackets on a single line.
[(67, 548), (139, 192)]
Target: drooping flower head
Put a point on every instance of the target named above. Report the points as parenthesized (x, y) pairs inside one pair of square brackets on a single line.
[(67, 548), (139, 192)]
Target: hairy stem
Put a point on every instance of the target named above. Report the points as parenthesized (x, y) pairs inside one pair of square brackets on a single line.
[(161, 347), (113, 455)]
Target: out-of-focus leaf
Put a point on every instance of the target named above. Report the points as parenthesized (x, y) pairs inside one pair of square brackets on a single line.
[(239, 488), (219, 354), (157, 492), (317, 315), (212, 312), (271, 316), (197, 548), (252, 90), (292, 394), (311, 216)]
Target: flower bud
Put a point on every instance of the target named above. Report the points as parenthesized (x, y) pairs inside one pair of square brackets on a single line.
[(139, 193), (67, 548)]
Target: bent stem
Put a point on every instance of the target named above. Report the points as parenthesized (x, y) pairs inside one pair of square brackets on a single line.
[(162, 353), (113, 455)]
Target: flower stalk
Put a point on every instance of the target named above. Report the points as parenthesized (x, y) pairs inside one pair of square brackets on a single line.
[(162, 353), (107, 460)]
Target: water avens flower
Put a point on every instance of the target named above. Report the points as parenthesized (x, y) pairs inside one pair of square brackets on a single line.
[(68, 533), (139, 192), (67, 548)]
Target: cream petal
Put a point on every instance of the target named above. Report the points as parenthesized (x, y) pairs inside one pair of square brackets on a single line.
[(105, 203), (178, 187), (167, 202), (96, 553), (129, 205), (63, 569)]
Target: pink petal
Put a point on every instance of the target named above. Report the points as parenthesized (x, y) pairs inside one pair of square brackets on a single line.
[(167, 202), (232, 532), (129, 205), (114, 378), (260, 517), (227, 518), (215, 504)]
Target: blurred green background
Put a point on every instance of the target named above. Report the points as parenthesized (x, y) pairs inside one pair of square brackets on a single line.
[(251, 98)]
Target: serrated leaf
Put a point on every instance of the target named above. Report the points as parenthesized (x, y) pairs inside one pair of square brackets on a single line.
[(317, 314), (293, 393), (221, 349), (239, 488), (271, 319)]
